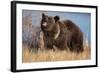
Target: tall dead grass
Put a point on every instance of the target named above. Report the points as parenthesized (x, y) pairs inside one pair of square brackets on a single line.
[(50, 55)]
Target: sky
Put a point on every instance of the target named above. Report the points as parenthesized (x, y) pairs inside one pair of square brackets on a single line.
[(83, 20)]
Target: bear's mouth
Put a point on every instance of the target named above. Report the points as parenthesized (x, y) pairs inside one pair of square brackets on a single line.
[(44, 24), (46, 28)]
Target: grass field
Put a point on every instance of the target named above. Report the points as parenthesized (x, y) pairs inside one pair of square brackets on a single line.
[(50, 55)]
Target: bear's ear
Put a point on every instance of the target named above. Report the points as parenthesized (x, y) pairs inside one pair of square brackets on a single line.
[(43, 15), (56, 18)]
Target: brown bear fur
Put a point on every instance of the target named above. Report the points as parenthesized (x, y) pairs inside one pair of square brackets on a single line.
[(69, 34)]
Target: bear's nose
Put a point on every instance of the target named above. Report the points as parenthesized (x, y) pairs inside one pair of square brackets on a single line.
[(44, 24)]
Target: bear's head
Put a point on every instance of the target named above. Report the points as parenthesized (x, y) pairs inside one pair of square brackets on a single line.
[(49, 23)]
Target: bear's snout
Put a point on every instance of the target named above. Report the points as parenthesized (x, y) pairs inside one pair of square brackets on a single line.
[(44, 24)]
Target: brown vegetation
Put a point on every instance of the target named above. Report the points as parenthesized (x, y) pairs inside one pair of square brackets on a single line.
[(50, 55)]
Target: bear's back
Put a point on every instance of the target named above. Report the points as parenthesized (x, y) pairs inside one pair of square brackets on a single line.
[(70, 25)]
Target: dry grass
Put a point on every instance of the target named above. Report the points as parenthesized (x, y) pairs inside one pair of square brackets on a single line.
[(51, 55)]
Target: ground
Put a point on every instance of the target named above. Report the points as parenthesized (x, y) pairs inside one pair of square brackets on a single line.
[(50, 55)]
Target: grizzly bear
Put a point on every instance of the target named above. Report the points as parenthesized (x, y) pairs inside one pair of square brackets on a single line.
[(61, 34)]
